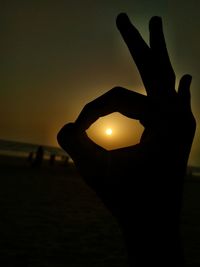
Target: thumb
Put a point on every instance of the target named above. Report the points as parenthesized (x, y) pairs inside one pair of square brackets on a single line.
[(67, 139), (184, 89), (77, 144)]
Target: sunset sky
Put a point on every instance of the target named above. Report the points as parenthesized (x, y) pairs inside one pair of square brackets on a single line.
[(58, 55)]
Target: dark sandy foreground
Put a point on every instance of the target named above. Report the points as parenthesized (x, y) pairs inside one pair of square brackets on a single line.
[(49, 217)]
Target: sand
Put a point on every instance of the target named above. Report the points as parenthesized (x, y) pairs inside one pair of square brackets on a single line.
[(49, 217)]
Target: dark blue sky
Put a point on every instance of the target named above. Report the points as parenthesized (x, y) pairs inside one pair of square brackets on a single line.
[(58, 55)]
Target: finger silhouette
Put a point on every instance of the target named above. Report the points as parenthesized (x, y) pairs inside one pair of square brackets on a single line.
[(184, 90), (165, 82), (77, 144), (129, 103), (139, 50)]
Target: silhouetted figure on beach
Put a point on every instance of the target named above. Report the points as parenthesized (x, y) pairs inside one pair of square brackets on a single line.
[(30, 157), (52, 159), (39, 157), (141, 185)]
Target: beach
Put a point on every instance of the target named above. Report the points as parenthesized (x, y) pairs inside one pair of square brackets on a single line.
[(50, 218)]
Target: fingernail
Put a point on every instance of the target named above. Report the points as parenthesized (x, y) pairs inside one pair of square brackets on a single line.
[(122, 19), (155, 22), (188, 78)]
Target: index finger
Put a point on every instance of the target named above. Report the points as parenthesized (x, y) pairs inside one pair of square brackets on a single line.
[(139, 50), (118, 99)]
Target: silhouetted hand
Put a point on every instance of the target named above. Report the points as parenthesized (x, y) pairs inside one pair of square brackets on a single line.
[(142, 184)]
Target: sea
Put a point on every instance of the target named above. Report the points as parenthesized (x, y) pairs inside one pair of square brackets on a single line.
[(22, 149)]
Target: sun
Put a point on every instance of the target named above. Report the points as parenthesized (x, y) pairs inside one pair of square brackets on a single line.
[(109, 131)]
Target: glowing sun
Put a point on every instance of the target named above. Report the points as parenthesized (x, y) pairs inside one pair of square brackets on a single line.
[(109, 131)]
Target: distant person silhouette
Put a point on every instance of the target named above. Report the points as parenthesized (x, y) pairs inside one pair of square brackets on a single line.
[(39, 157), (30, 157), (141, 185), (52, 159)]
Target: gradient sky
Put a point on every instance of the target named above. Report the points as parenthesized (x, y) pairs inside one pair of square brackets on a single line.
[(58, 55)]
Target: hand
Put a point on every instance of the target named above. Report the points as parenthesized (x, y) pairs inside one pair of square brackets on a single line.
[(142, 184)]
